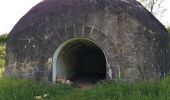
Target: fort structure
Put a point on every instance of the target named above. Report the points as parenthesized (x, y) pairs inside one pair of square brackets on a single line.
[(88, 39)]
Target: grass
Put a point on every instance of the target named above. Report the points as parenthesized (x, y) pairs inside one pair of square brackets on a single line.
[(105, 90)]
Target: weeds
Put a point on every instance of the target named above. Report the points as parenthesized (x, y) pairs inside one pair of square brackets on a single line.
[(11, 89)]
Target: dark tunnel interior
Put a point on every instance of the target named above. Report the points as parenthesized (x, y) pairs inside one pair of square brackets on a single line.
[(83, 61)]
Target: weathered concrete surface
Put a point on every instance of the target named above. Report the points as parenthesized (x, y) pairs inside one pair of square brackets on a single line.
[(134, 41)]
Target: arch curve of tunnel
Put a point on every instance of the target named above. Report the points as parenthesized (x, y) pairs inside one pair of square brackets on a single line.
[(79, 59)]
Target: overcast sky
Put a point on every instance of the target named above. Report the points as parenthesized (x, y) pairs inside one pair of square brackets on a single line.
[(12, 10)]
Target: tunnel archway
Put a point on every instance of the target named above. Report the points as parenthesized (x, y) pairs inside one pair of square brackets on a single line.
[(78, 60)]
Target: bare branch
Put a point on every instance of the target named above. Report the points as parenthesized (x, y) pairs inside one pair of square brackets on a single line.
[(154, 6)]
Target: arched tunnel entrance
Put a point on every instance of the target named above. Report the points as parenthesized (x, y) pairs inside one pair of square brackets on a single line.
[(79, 60)]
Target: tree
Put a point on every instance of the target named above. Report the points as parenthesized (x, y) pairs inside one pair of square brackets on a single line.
[(154, 6)]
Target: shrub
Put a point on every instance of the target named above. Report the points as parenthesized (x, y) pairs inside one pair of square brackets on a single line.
[(3, 37), (2, 54)]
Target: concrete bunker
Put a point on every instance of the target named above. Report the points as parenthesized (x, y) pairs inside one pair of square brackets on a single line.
[(130, 39), (79, 59)]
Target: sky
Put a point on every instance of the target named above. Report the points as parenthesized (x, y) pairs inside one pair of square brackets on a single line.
[(12, 10)]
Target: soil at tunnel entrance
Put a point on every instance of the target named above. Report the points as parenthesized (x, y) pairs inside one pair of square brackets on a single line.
[(87, 81)]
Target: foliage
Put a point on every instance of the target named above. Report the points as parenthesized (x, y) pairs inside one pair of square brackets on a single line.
[(3, 37), (1, 72), (2, 57)]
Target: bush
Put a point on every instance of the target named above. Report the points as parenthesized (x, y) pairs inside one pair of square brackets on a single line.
[(2, 58), (2, 54), (3, 37)]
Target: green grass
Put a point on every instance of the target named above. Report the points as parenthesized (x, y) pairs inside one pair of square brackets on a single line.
[(106, 90)]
